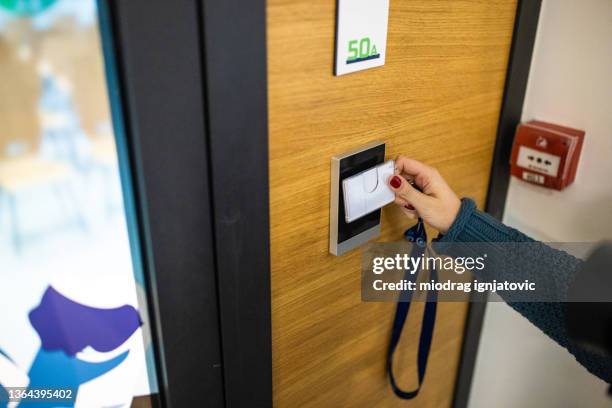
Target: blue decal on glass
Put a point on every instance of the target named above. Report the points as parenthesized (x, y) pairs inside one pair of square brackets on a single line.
[(66, 325)]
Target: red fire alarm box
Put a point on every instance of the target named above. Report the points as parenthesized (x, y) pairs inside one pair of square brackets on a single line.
[(546, 154)]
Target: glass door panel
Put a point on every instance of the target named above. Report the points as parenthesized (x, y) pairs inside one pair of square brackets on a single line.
[(74, 309)]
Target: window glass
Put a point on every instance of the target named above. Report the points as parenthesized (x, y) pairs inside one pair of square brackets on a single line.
[(73, 305)]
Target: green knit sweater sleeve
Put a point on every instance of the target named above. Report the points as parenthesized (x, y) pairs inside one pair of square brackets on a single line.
[(472, 225)]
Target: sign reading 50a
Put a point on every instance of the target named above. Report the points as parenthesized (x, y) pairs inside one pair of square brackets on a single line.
[(361, 35), (361, 50)]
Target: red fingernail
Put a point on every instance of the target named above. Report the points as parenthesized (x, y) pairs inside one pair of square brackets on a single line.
[(395, 182), (409, 207)]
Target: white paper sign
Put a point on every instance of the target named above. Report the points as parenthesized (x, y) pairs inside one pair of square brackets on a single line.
[(361, 35)]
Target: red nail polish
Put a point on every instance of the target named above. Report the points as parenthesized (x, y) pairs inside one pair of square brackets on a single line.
[(395, 182), (409, 207)]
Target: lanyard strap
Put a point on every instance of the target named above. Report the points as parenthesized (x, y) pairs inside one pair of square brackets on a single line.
[(418, 236)]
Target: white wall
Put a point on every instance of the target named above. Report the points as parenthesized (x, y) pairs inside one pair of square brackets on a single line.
[(570, 83)]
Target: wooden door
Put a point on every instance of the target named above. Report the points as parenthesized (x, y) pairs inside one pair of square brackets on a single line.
[(437, 99)]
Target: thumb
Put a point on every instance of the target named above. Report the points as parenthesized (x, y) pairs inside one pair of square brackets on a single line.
[(403, 189)]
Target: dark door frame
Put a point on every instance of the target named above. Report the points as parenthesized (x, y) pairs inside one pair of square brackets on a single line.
[(234, 44), (155, 87), (188, 96), (188, 86)]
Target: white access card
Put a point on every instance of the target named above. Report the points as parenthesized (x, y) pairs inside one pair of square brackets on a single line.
[(367, 191), (361, 35)]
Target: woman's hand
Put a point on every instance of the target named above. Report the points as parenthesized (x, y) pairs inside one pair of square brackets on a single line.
[(437, 204)]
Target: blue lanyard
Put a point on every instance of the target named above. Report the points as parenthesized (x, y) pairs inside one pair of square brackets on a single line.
[(418, 236)]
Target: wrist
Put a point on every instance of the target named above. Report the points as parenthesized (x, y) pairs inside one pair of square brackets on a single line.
[(466, 208), (452, 212)]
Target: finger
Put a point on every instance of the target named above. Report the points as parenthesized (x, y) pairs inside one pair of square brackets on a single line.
[(408, 178), (403, 203), (412, 214), (398, 171), (411, 166), (400, 201), (404, 190)]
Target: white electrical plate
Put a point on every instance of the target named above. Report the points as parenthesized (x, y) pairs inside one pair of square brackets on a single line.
[(367, 191), (361, 35)]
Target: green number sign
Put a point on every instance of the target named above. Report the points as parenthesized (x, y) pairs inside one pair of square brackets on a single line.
[(361, 49)]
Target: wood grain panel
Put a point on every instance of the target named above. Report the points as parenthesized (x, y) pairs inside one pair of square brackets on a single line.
[(437, 99)]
